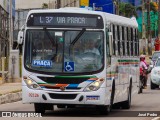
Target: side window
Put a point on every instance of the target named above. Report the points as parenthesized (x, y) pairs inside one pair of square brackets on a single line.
[(107, 48), (121, 45), (118, 39), (114, 45), (136, 43), (125, 37), (114, 39), (132, 39), (127, 41), (123, 41)]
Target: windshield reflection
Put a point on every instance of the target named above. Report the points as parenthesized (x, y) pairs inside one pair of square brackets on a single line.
[(85, 55)]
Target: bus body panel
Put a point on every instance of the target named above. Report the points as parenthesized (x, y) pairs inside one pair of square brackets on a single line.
[(122, 70), (89, 98)]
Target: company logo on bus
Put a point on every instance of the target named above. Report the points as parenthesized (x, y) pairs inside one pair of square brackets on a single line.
[(62, 88)]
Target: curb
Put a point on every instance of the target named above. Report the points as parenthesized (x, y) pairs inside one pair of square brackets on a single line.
[(10, 97)]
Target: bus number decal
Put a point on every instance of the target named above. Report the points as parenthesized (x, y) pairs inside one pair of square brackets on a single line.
[(33, 95)]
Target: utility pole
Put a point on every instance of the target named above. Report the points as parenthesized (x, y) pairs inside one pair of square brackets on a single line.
[(143, 27), (149, 32), (10, 27), (58, 4), (116, 4), (117, 7), (143, 23), (159, 20)]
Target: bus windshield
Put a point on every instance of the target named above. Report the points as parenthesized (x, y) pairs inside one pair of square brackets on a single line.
[(64, 51)]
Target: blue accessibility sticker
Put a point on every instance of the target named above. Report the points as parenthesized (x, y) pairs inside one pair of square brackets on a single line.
[(42, 63), (69, 66)]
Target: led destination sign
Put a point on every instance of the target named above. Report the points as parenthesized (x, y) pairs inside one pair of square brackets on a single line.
[(82, 21), (65, 20)]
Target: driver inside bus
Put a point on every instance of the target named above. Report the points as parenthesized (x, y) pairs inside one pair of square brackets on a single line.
[(91, 47)]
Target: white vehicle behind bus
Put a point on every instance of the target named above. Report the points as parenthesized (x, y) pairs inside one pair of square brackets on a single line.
[(73, 56)]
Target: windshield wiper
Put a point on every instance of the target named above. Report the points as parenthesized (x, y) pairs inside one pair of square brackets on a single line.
[(78, 36), (49, 36), (54, 43), (54, 56), (76, 39)]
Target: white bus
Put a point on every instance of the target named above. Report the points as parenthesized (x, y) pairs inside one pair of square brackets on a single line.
[(73, 56)]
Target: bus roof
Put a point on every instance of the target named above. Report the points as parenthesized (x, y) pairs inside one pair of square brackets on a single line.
[(111, 18)]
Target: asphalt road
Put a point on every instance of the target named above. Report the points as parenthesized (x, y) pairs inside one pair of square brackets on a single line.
[(148, 101)]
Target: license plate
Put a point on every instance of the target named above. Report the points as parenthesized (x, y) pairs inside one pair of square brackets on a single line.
[(92, 97)]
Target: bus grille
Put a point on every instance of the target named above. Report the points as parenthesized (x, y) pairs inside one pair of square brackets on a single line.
[(62, 96), (63, 80)]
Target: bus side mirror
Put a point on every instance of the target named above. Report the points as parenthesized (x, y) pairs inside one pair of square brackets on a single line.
[(110, 43), (20, 37)]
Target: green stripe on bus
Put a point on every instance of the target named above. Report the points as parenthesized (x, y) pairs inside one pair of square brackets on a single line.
[(128, 60), (75, 76)]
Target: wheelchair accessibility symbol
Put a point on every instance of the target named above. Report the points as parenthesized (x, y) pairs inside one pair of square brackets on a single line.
[(69, 66)]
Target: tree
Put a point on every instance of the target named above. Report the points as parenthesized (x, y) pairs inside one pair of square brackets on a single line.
[(44, 5), (153, 7), (148, 6), (127, 10)]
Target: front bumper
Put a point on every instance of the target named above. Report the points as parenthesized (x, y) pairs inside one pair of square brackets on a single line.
[(99, 97)]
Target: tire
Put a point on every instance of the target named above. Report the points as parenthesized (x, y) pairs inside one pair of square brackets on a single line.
[(127, 104), (112, 96), (153, 86), (104, 110), (39, 108)]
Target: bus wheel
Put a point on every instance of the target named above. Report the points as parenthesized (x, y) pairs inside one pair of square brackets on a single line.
[(112, 96), (39, 108), (127, 104), (104, 110)]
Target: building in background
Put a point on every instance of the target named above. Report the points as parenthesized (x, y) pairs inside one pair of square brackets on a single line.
[(23, 7), (4, 26)]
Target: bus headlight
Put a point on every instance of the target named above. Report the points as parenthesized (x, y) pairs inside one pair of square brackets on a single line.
[(94, 85), (32, 84)]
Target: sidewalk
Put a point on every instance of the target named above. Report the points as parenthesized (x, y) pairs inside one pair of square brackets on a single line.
[(10, 92)]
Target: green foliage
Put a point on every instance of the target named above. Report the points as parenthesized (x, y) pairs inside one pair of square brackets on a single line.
[(44, 5), (153, 7), (127, 10)]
